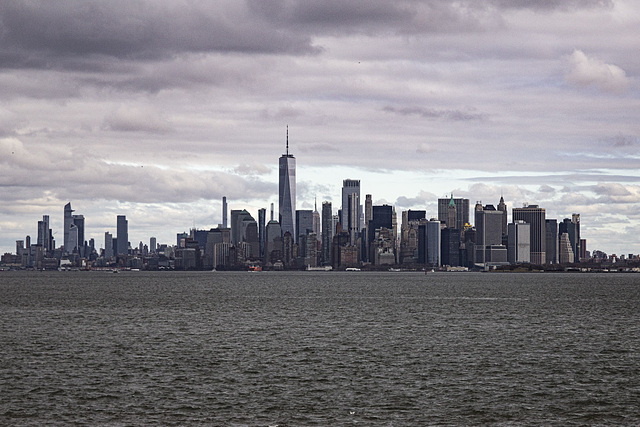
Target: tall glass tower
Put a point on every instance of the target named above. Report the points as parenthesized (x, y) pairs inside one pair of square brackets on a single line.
[(287, 191)]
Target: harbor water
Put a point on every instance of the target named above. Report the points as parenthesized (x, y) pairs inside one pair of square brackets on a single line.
[(319, 348)]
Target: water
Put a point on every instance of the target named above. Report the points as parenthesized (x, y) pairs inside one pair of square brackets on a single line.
[(303, 348)]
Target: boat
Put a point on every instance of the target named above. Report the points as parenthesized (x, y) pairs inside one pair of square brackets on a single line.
[(352, 269), (325, 268), (253, 268)]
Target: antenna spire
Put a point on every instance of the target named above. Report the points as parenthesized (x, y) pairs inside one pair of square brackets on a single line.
[(287, 140)]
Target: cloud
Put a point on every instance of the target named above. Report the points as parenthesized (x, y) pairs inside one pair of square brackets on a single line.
[(251, 169), (432, 113), (133, 119), (583, 70)]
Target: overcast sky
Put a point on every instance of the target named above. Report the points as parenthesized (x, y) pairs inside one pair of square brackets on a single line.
[(157, 109)]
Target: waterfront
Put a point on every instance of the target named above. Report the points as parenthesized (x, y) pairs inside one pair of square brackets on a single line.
[(315, 348)]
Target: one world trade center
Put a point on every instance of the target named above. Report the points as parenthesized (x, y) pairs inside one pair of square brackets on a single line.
[(287, 192)]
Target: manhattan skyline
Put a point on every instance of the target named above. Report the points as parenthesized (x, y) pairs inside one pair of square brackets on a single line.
[(155, 111)]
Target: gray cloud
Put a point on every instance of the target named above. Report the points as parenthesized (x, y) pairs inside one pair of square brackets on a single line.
[(583, 70), (431, 113)]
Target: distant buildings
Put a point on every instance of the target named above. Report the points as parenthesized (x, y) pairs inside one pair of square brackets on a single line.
[(307, 238)]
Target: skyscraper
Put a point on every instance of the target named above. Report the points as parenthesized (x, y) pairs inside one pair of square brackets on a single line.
[(108, 245), (327, 232), (551, 255), (122, 236), (287, 192), (351, 208), (519, 247), (44, 234), (224, 211), (262, 216), (502, 207), (68, 222), (535, 216), (462, 211), (488, 223)]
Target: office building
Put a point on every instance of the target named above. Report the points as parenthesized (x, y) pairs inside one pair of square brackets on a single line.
[(351, 208), (551, 252), (462, 211), (488, 223), (433, 243), (122, 229), (224, 212), (535, 217), (287, 192), (519, 246), (262, 217), (502, 207), (572, 228), (273, 250), (450, 247), (68, 222), (565, 255), (45, 235), (327, 232), (238, 228)]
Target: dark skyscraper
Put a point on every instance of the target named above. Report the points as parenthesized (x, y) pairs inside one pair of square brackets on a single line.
[(551, 228), (327, 232), (122, 235), (462, 211), (262, 217), (287, 192), (304, 223), (68, 222), (535, 216)]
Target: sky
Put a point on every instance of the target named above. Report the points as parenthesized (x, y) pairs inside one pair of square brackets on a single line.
[(157, 109)]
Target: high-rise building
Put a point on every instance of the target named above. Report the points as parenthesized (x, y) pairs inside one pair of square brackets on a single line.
[(565, 255), (317, 224), (502, 207), (78, 222), (262, 216), (44, 234), (519, 246), (237, 230), (450, 247), (108, 245), (327, 232), (287, 192), (122, 228), (304, 223), (382, 217), (409, 236), (153, 245), (535, 216), (551, 252), (488, 223), (572, 228), (224, 211), (351, 208), (273, 250), (368, 209), (68, 222), (433, 243), (462, 211)]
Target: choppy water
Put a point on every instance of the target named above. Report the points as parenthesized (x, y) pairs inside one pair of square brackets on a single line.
[(297, 349)]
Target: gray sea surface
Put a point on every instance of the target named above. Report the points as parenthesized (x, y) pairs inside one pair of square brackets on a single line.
[(319, 348)]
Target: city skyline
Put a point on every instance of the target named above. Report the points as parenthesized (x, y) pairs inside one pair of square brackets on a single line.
[(156, 112)]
